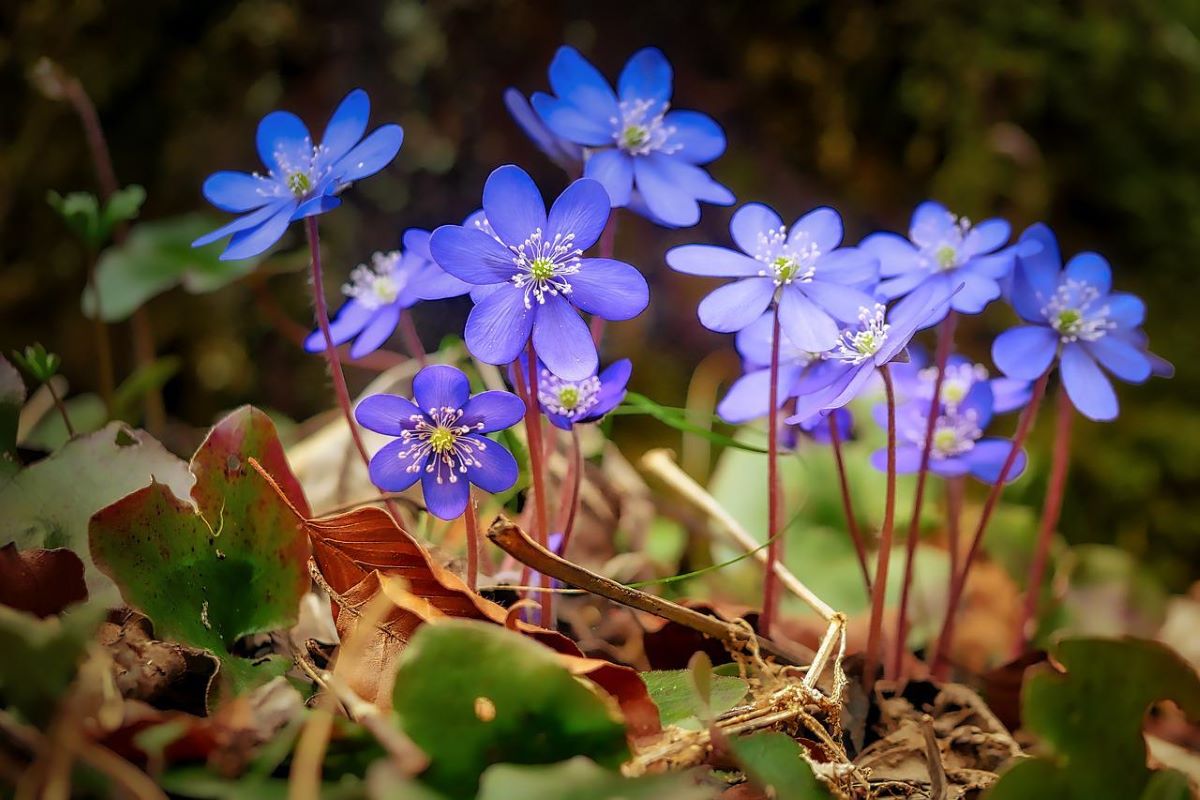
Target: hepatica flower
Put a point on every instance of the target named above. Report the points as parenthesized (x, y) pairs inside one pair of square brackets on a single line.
[(1074, 315), (816, 283), (915, 381), (569, 403), (302, 177), (380, 291), (944, 251), (647, 155), (439, 439), (538, 275)]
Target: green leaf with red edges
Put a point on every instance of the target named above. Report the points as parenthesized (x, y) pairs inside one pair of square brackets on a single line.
[(231, 565)]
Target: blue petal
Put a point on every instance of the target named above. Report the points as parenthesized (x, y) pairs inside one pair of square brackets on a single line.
[(908, 459), (315, 205), (841, 302), (849, 266), (986, 460), (347, 125), (562, 340), (712, 261), (804, 322), (575, 80), (901, 285), (734, 306), (497, 469), (434, 283), (1121, 358), (251, 220), (613, 381), (282, 133), (388, 414), (989, 235), (610, 289), (977, 291), (498, 326), (1092, 269), (665, 197), (750, 225), (572, 124), (375, 334), (238, 192), (926, 306), (614, 170), (471, 255), (753, 342), (351, 318), (389, 471), (581, 210), (371, 155), (513, 205), (440, 386), (444, 498), (1036, 276), (1025, 352), (495, 411), (821, 226), (748, 398), (248, 243), (699, 138), (566, 154), (416, 242), (930, 222), (646, 76), (1009, 394), (1090, 391), (896, 254), (1126, 310), (996, 266)]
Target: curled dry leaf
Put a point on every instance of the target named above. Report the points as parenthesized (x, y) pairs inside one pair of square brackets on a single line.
[(42, 582), (357, 553)]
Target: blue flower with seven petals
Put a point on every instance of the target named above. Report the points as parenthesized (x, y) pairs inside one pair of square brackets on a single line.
[(538, 275), (647, 156), (439, 439), (569, 403), (302, 179), (379, 292), (944, 250), (1075, 316), (815, 282)]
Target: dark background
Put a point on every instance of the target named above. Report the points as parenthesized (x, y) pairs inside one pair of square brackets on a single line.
[(1082, 114)]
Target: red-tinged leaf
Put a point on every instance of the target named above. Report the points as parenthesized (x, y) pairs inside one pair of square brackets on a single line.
[(42, 582)]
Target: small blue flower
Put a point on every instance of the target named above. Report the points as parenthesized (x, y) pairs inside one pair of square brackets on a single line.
[(646, 155), (1075, 316), (568, 403), (815, 282), (534, 276), (381, 291), (440, 439), (302, 179), (915, 381), (944, 250)]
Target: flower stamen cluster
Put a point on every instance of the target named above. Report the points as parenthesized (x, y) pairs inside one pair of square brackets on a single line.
[(957, 382), (944, 253), (954, 435), (378, 284), (858, 346), (786, 262), (1070, 312), (543, 266), (641, 129), (303, 169), (438, 444), (570, 399)]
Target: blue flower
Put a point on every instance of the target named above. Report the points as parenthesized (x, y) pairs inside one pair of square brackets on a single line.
[(381, 291), (915, 380), (646, 155), (944, 250), (440, 439), (815, 282), (302, 179), (1075, 316), (535, 275), (568, 403), (958, 445)]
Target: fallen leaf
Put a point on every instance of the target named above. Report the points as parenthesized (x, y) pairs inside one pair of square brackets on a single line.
[(166, 675), (673, 693), (42, 582)]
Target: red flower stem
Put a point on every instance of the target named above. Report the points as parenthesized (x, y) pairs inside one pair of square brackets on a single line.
[(411, 339), (62, 408), (472, 526), (940, 666), (331, 353), (608, 239), (860, 546), (879, 587), (570, 499), (770, 607), (944, 339), (533, 431), (1051, 510)]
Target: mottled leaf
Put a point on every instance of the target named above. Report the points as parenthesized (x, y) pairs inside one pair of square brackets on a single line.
[(672, 692)]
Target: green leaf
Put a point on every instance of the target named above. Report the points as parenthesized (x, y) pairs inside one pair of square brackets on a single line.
[(158, 256), (776, 763), (41, 657), (1168, 784), (229, 566), (471, 694), (673, 693), (49, 504), (1089, 720), (123, 206), (12, 397), (88, 415), (81, 212), (37, 362), (581, 779), (677, 418)]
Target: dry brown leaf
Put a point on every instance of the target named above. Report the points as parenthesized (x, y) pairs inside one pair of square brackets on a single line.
[(41, 582)]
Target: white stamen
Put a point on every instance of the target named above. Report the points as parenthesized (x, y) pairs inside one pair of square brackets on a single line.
[(543, 266), (942, 251), (379, 284), (639, 132), (301, 171), (1070, 312), (786, 262), (438, 442), (570, 399), (856, 347)]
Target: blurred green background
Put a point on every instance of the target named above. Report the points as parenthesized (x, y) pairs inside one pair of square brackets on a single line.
[(1085, 115)]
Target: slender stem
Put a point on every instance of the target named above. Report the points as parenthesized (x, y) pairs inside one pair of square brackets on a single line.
[(473, 543), (62, 408), (1051, 510), (879, 588), (944, 339), (331, 353), (412, 340), (608, 239), (940, 665), (770, 607), (860, 546), (104, 358), (955, 490), (565, 521), (533, 432)]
